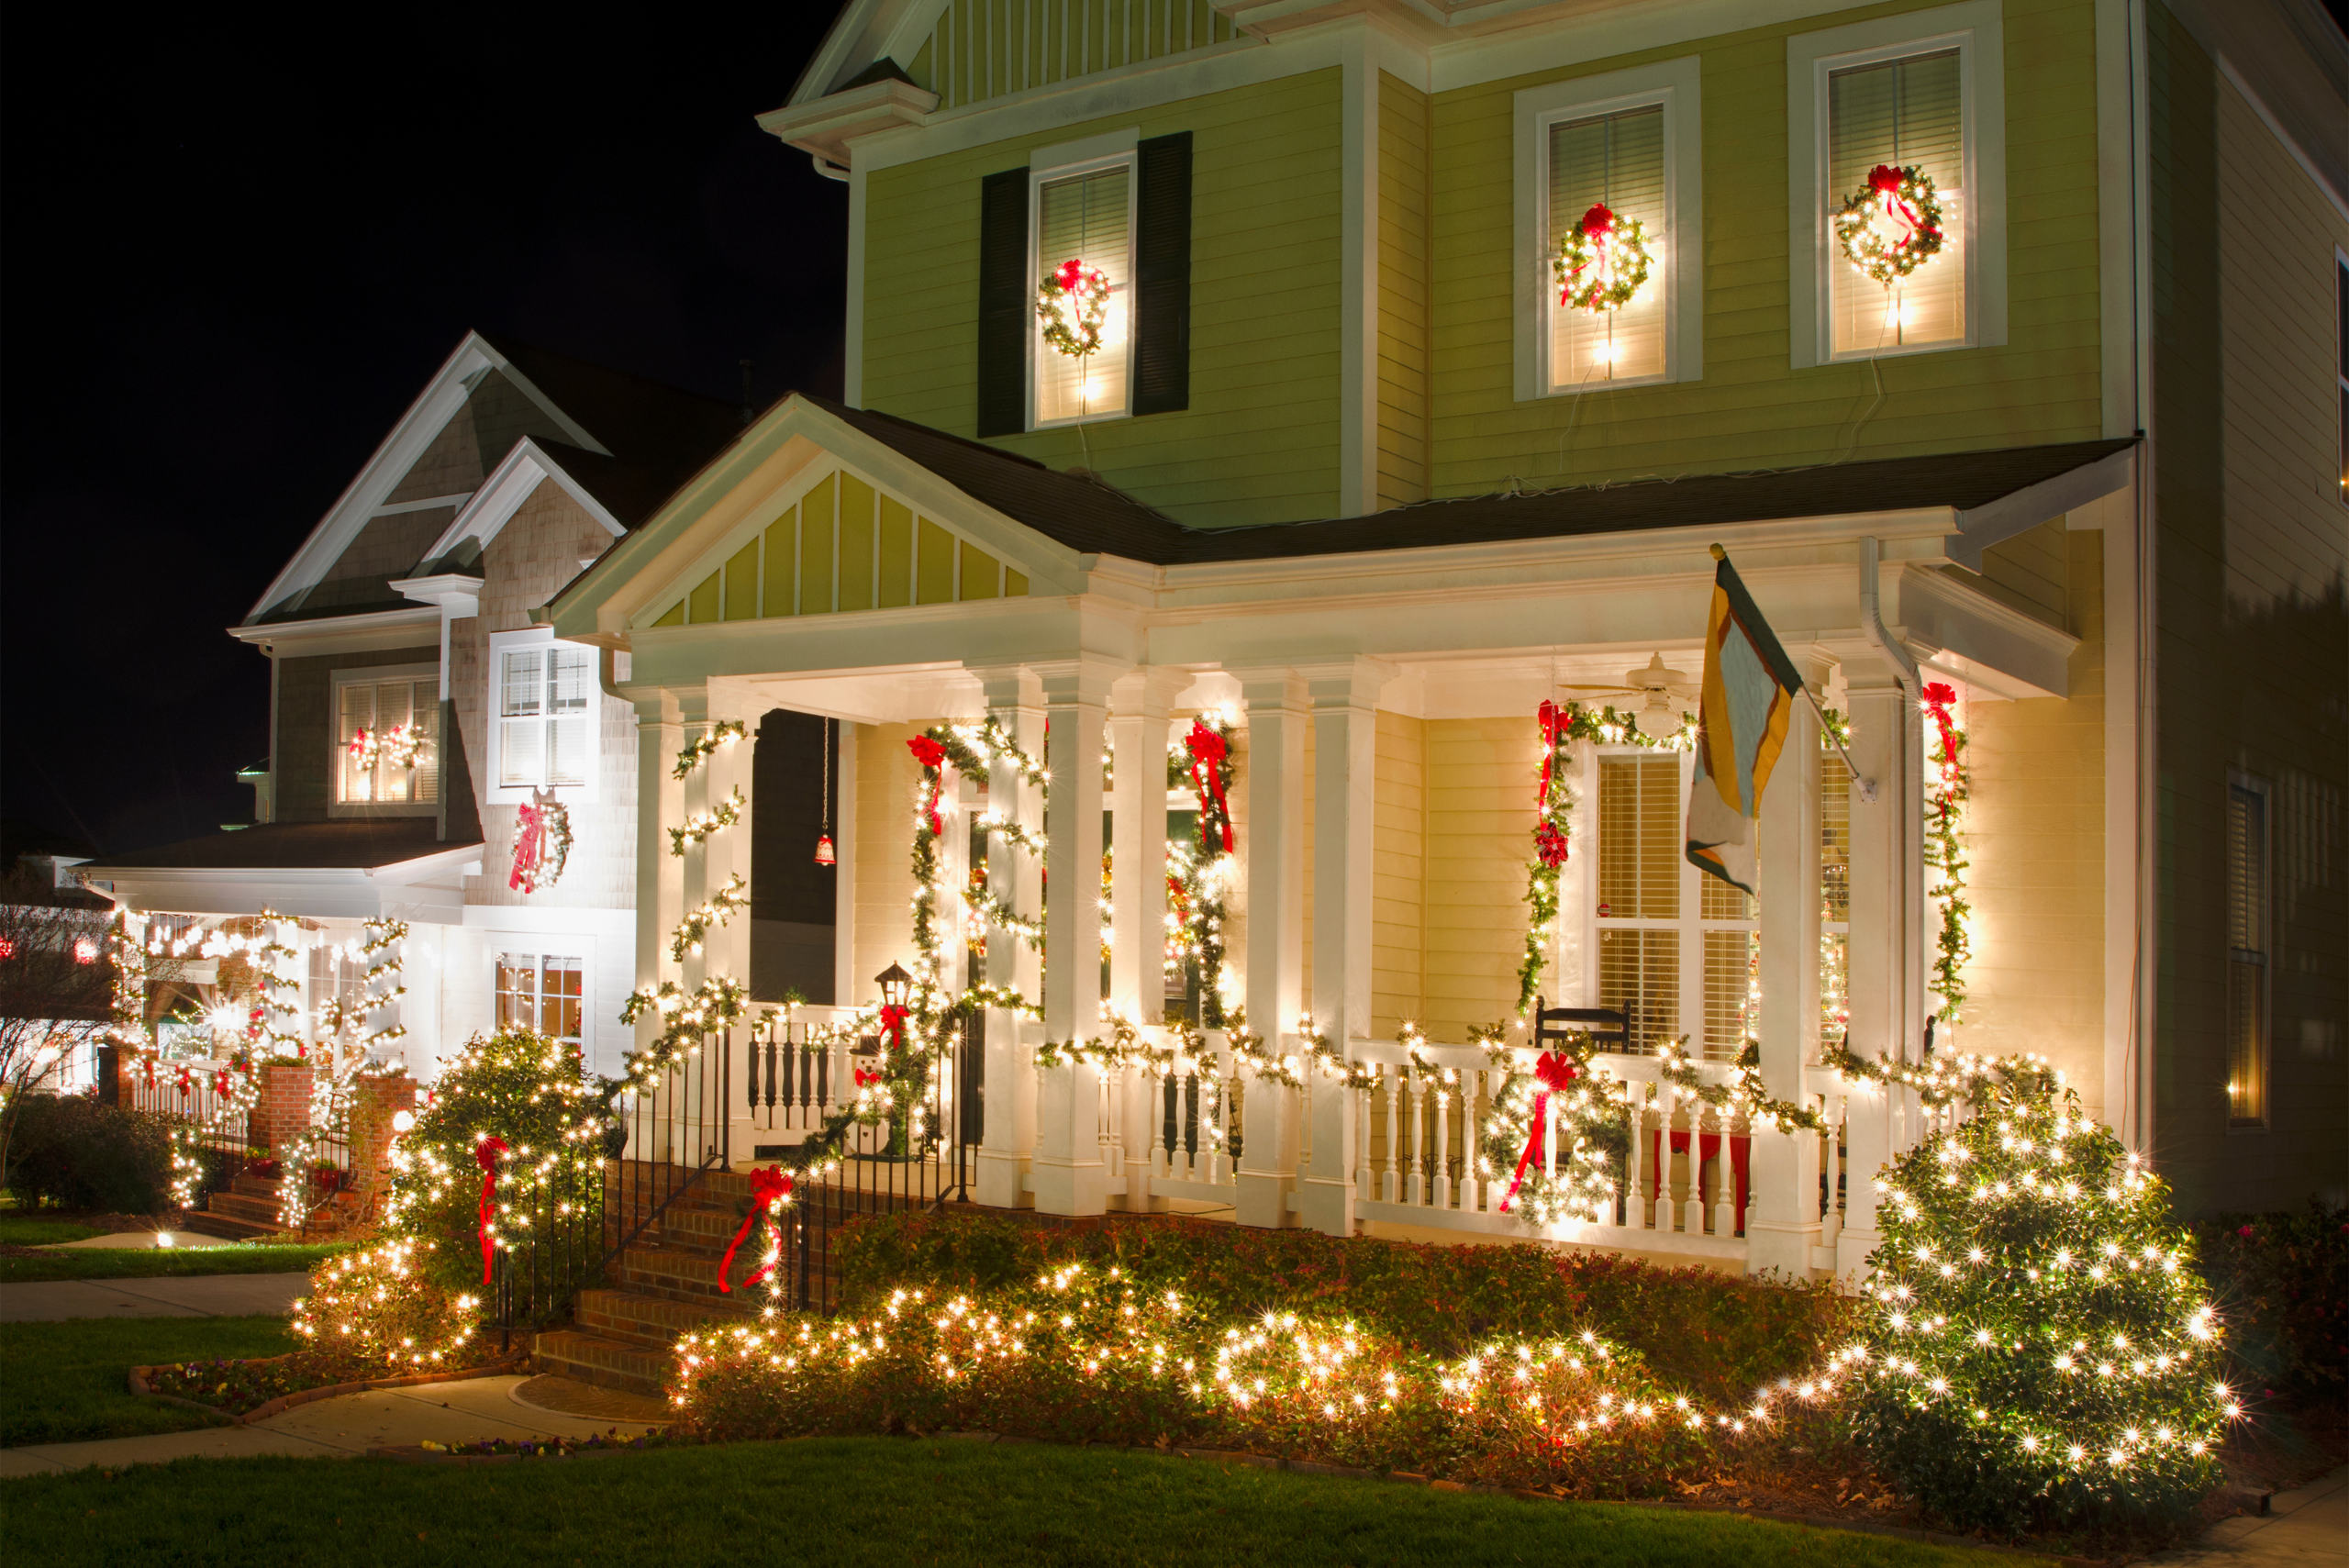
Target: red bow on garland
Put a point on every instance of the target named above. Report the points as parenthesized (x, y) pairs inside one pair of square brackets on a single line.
[(220, 1082), (769, 1189), (187, 1082), (893, 1025), (1550, 845), (1554, 1073), (486, 1154), (1207, 750), (1885, 181), (1939, 698), (525, 845), (931, 756), (1556, 722)]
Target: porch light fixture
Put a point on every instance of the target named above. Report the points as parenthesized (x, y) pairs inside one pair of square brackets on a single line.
[(895, 984), (824, 855)]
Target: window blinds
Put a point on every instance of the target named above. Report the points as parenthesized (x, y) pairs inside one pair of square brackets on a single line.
[(1088, 216), (545, 718), (1660, 922), (377, 707), (1898, 112), (2246, 956), (1615, 160)]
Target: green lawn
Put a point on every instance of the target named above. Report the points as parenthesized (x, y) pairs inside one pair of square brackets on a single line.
[(109, 1262), (859, 1500), (68, 1381), (23, 1230)]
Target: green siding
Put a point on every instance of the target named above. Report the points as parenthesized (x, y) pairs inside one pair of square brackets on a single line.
[(935, 577), (1259, 443), (897, 554), (1015, 584), (675, 616), (856, 543), (782, 555), (816, 548), (986, 49), (742, 584), (702, 605), (1403, 241), (980, 571), (1752, 408)]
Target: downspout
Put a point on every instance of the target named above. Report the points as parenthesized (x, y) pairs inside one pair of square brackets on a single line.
[(605, 663), (1907, 856), (1872, 619)]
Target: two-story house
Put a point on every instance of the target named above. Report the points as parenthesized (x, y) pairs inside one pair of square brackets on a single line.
[(417, 718), (1348, 462)]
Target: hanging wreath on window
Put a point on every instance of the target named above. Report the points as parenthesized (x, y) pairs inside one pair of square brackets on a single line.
[(1073, 301), (402, 746), (542, 845), (1894, 227), (1602, 261)]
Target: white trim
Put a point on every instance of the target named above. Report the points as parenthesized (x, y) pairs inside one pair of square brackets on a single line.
[(1677, 85), (494, 727), (369, 675), (513, 481), (1974, 30), (1129, 159), (429, 503), (370, 633), (1063, 156), (2019, 511)]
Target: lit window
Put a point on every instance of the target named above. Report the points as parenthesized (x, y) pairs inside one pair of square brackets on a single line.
[(387, 735), (544, 716), (1899, 113), (2247, 980), (1614, 161), (85, 949), (543, 992), (1085, 217), (1673, 943)]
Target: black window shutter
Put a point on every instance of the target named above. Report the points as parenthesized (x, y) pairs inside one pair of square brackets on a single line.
[(1003, 302), (1163, 276)]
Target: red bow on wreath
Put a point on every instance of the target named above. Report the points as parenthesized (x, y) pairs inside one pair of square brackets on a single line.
[(1885, 181), (1070, 274), (486, 1154), (1207, 750), (1554, 1073), (1939, 698), (770, 1188), (931, 756), (1597, 225)]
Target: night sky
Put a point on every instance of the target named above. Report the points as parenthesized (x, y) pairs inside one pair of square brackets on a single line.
[(231, 263)]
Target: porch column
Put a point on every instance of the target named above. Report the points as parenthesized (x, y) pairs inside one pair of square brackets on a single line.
[(693, 709), (1275, 702), (660, 876), (1345, 806), (1882, 958), (1138, 829), (1016, 698), (1070, 1174), (727, 950), (1783, 1223)]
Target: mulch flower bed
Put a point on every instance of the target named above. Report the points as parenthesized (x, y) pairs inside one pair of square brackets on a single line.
[(252, 1389)]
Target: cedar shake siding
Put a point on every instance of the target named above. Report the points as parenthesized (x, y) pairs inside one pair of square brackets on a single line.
[(304, 744)]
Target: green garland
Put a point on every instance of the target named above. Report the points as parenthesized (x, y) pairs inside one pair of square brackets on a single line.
[(1950, 789), (727, 813), (1590, 1128), (1198, 875), (1747, 1096)]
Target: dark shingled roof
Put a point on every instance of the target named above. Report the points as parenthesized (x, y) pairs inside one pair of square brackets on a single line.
[(1090, 515), (346, 844)]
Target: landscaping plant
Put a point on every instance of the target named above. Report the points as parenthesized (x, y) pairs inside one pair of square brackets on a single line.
[(79, 1154)]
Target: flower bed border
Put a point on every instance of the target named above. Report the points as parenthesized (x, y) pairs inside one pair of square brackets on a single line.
[(286, 1402)]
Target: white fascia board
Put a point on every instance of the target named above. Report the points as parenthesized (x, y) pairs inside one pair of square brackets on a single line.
[(425, 419), (375, 630), (1967, 634), (856, 37), (2020, 511), (328, 893), (829, 126)]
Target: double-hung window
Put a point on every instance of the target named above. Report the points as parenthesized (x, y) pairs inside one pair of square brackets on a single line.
[(1628, 141), (1085, 214), (546, 991), (387, 740), (1675, 947), (543, 715), (1923, 90), (2247, 953)]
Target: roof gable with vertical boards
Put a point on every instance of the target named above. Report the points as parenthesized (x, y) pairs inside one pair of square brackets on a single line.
[(620, 442)]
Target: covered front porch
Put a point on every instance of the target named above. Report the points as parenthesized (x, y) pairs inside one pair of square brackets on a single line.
[(1379, 701)]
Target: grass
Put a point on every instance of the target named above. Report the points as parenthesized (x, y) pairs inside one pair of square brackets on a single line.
[(857, 1500), (108, 1262), (68, 1381), (19, 1230)]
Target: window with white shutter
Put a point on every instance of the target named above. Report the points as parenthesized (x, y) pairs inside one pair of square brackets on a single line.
[(543, 715), (387, 740), (2247, 954)]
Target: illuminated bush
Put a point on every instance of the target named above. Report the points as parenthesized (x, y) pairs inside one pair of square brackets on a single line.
[(377, 1312), (2041, 1351)]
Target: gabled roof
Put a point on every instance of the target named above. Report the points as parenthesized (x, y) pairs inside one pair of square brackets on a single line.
[(627, 441), (1090, 515)]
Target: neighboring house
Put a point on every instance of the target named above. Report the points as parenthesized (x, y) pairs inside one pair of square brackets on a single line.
[(407, 611), (1344, 469)]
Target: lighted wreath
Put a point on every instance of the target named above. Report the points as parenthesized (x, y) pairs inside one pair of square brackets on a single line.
[(1894, 227), (1073, 301), (1602, 261), (540, 846), (402, 746)]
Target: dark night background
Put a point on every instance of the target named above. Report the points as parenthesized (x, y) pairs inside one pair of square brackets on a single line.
[(232, 262)]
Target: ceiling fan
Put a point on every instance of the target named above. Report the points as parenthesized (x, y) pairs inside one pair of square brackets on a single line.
[(1667, 691)]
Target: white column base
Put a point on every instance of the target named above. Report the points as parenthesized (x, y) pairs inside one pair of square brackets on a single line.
[(1780, 1249), (1264, 1199), (1001, 1179), (1325, 1204)]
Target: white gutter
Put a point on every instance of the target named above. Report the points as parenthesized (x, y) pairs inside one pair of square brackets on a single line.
[(1871, 619)]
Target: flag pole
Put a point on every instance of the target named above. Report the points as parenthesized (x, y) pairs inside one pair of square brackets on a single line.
[(1866, 786)]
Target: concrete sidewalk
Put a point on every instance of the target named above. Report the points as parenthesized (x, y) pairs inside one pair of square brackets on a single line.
[(2302, 1528), (341, 1428), (193, 1296)]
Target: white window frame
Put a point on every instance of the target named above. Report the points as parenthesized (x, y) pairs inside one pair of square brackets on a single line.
[(1677, 86), (1971, 27), (1049, 165), (493, 728), (538, 949), (2252, 784), (369, 675)]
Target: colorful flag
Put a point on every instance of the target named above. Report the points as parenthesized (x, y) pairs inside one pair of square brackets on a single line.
[(1748, 697)]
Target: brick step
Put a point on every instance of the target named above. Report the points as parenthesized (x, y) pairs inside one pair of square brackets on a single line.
[(250, 1207), (687, 1277), (205, 1223), (612, 1364), (652, 1322)]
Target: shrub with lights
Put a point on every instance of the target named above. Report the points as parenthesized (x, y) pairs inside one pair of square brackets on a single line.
[(2041, 1349), (379, 1312), (513, 1138)]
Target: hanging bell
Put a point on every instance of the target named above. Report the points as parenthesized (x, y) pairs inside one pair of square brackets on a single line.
[(824, 855)]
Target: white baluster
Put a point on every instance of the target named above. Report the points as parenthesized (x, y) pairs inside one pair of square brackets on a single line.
[(1443, 1088), (1393, 1185), (1635, 1116), (1725, 1186), (1693, 1206), (1363, 1186), (1416, 1092)]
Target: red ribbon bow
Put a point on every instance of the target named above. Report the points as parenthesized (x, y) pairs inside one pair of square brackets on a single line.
[(525, 845), (1208, 752), (893, 1024), (769, 1187), (931, 756), (1554, 1073), (1556, 722), (187, 1082), (1939, 698), (1884, 180), (1550, 845), (486, 1154), (220, 1082), (1071, 270), (865, 1079), (1598, 223)]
